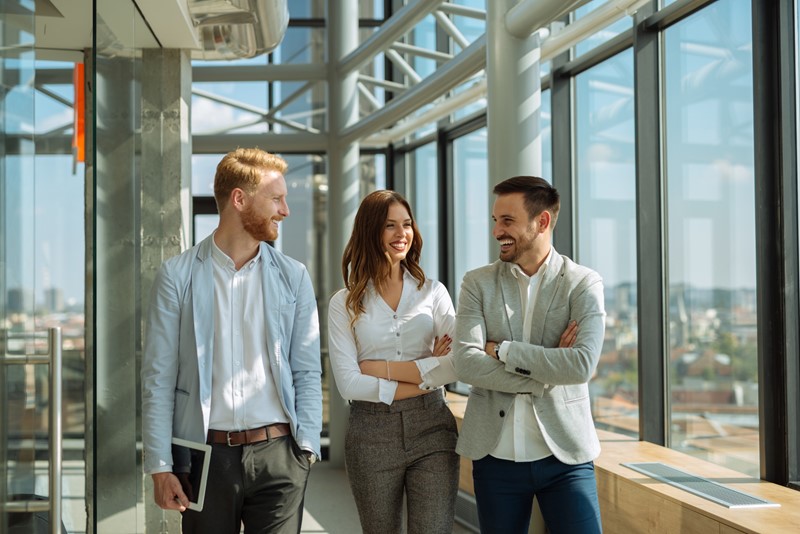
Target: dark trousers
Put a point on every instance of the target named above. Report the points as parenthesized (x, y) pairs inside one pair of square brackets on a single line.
[(403, 449), (261, 486), (567, 495)]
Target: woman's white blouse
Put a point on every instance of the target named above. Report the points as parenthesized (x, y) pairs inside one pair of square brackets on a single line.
[(384, 334)]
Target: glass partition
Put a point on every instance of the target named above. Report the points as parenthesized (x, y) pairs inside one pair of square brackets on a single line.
[(712, 357)]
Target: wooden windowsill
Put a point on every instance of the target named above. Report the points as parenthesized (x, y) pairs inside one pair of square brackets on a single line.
[(632, 502)]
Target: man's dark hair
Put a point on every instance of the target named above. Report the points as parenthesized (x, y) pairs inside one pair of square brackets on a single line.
[(538, 193)]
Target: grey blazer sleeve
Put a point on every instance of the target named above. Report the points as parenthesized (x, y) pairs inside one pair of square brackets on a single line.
[(472, 364), (575, 365)]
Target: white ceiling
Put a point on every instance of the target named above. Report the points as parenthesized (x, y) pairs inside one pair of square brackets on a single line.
[(121, 26)]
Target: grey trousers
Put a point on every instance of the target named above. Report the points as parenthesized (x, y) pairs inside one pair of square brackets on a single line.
[(261, 486), (403, 449)]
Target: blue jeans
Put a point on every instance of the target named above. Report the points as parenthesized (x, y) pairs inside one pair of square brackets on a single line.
[(567, 495)]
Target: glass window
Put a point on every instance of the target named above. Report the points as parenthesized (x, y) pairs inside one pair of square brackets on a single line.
[(471, 229), (606, 236), (425, 203), (606, 34), (470, 27), (545, 126), (711, 268)]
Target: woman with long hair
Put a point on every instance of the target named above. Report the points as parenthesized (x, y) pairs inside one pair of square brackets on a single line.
[(389, 341)]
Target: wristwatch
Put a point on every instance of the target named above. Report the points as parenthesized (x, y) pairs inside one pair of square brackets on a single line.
[(312, 458), (497, 350)]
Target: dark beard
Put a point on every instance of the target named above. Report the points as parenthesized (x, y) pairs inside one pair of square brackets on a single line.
[(259, 227)]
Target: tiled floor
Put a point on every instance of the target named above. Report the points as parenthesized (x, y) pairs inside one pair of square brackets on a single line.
[(329, 506)]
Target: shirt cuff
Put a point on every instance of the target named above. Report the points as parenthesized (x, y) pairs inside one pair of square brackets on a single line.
[(502, 353), (386, 390), (425, 366)]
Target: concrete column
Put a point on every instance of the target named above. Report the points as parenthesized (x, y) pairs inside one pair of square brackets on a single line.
[(166, 218), (117, 471), (343, 184), (513, 102)]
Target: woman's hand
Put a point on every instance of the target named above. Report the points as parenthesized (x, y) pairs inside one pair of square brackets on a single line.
[(441, 345), (569, 336)]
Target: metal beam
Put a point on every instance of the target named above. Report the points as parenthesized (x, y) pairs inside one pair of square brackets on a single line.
[(393, 29), (450, 75), (422, 52), (439, 111), (530, 15), (283, 142), (259, 73)]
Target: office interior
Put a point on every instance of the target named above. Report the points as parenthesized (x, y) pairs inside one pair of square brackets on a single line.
[(669, 127)]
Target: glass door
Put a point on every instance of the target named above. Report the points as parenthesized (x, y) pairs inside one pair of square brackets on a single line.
[(42, 407)]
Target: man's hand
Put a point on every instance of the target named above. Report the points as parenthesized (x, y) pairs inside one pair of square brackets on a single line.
[(569, 336), (168, 493), (441, 345)]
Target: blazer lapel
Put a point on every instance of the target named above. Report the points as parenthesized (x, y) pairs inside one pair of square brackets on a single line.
[(203, 311), (270, 278), (513, 304), (548, 286)]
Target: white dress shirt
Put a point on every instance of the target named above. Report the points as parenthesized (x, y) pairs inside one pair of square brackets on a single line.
[(384, 334), (521, 439), (243, 392)]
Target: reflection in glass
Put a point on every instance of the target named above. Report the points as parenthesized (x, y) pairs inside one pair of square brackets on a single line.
[(710, 192), (606, 34), (545, 126), (606, 220), (471, 209), (425, 203)]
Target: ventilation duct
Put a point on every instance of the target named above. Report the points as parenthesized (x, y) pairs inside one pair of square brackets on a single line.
[(236, 29)]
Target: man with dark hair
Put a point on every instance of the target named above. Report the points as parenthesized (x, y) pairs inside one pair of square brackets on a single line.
[(528, 425), (232, 359)]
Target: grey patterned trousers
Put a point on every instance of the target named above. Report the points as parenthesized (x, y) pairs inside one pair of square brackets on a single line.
[(406, 449)]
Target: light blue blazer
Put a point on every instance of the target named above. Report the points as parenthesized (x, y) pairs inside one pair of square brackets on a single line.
[(179, 344), (489, 309)]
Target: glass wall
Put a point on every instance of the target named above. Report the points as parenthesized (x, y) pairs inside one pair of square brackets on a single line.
[(425, 203), (472, 229), (606, 222), (713, 357)]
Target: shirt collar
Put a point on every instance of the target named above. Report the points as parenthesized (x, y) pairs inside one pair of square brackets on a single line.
[(223, 260), (517, 271)]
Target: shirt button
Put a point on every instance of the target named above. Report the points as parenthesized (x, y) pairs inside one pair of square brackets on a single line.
[(394, 316), (398, 353), (398, 334)]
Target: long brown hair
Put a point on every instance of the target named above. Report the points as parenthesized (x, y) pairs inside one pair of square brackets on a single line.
[(364, 258)]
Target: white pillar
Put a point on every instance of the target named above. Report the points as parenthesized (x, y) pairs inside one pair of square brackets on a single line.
[(343, 183)]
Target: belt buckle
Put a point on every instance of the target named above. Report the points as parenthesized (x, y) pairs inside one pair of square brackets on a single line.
[(228, 439)]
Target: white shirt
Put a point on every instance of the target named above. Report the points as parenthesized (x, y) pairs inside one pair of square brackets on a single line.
[(243, 392), (384, 334), (521, 439)]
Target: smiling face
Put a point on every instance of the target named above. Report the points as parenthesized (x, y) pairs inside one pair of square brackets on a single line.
[(523, 241), (398, 233), (266, 208)]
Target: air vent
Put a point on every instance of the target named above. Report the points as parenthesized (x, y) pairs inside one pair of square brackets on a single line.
[(702, 487)]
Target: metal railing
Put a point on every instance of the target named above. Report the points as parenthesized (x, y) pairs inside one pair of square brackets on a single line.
[(52, 358)]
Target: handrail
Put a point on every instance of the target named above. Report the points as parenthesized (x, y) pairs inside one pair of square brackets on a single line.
[(53, 358)]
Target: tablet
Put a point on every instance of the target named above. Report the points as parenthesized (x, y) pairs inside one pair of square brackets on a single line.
[(190, 461)]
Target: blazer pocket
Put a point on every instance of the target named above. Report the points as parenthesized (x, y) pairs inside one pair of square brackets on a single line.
[(576, 400), (180, 391)]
